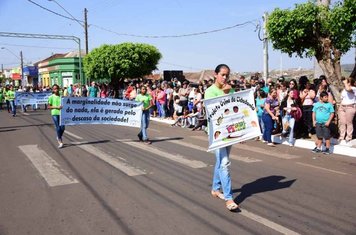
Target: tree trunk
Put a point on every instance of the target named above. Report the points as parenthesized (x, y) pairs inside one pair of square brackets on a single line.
[(330, 66), (323, 3), (353, 73)]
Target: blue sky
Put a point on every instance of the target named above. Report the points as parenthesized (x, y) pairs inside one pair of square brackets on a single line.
[(238, 47)]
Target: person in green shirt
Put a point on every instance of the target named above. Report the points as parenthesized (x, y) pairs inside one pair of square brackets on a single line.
[(146, 99), (221, 177), (54, 104), (6, 100), (10, 95)]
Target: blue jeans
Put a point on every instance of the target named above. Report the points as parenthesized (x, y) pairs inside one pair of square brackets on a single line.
[(59, 129), (13, 107), (221, 178), (162, 110), (291, 120), (262, 125), (145, 120), (267, 120)]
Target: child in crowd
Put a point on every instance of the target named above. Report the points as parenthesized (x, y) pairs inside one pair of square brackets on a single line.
[(323, 113)]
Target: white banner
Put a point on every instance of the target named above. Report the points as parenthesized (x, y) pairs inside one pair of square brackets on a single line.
[(231, 119), (84, 110), (27, 98)]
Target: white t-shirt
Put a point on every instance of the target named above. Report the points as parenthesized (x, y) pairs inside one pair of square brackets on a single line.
[(348, 97)]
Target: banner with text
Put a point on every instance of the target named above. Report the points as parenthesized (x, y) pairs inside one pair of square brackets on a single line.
[(28, 98), (83, 110), (231, 119)]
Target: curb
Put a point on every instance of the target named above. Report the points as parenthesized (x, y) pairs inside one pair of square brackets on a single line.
[(336, 148)]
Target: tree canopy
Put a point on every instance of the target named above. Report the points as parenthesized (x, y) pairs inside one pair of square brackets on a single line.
[(117, 62), (318, 30)]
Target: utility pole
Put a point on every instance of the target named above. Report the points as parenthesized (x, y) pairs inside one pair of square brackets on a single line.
[(22, 76), (265, 47), (86, 30)]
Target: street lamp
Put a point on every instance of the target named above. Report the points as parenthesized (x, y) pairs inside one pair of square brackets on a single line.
[(20, 58)]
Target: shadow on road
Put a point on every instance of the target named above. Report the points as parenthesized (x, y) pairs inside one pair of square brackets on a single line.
[(166, 139), (87, 143), (261, 185), (13, 129)]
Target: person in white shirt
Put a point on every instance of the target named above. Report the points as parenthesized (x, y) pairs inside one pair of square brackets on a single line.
[(347, 110)]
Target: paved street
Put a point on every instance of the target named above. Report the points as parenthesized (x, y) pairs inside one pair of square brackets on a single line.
[(106, 182)]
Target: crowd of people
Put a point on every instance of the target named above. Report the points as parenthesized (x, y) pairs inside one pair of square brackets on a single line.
[(293, 109), (283, 107)]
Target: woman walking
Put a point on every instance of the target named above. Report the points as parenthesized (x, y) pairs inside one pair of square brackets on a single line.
[(54, 104), (221, 178)]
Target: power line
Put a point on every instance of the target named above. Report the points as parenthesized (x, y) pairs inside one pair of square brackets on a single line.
[(153, 36), (19, 45), (177, 36), (44, 8)]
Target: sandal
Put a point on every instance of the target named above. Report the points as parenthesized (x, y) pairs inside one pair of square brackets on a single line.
[(218, 194), (231, 205)]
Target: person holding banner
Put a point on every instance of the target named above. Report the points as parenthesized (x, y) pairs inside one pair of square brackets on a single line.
[(146, 99), (10, 95), (221, 177), (54, 104)]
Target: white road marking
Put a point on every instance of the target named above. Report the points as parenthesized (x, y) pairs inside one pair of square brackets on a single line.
[(321, 168), (47, 167), (73, 135), (25, 114), (256, 150), (266, 222), (193, 146), (173, 157), (113, 161)]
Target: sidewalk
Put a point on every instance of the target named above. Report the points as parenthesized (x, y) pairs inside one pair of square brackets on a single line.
[(342, 149)]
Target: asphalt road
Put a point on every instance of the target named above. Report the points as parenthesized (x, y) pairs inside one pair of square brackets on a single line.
[(106, 182)]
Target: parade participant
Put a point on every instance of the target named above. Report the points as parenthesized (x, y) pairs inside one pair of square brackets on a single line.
[(54, 104), (10, 96), (146, 99), (323, 113), (221, 177)]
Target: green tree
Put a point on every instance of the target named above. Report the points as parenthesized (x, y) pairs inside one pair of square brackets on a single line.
[(315, 29), (121, 61)]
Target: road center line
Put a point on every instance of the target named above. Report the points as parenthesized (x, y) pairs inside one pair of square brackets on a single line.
[(47, 167), (73, 135), (321, 168), (113, 161), (197, 147), (177, 158), (266, 222)]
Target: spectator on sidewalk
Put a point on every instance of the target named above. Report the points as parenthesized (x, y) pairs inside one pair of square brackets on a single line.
[(347, 110), (307, 96), (289, 107), (270, 116), (323, 113), (93, 90)]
